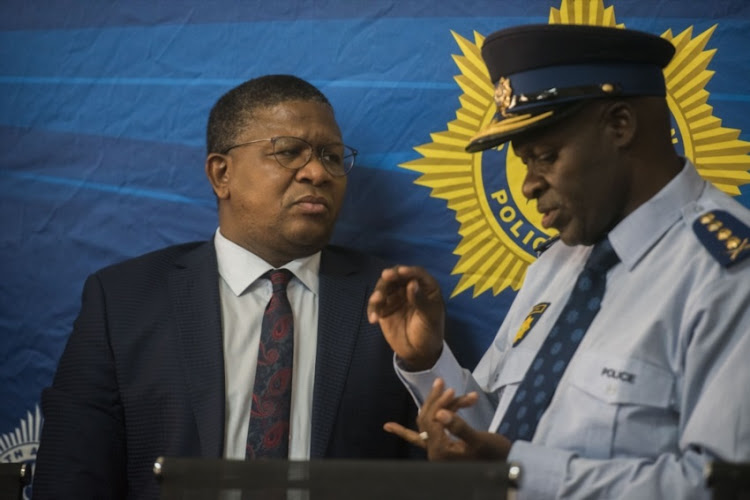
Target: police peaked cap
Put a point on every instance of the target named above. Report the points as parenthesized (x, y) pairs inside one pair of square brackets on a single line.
[(543, 72)]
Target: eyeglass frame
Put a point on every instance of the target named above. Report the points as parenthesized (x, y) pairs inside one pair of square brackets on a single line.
[(320, 151)]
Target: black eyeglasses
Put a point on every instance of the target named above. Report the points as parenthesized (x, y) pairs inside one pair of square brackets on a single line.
[(294, 153)]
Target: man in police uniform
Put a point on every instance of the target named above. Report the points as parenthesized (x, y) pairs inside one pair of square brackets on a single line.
[(628, 392)]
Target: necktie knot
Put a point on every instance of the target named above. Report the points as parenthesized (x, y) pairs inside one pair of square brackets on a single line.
[(602, 257), (279, 279)]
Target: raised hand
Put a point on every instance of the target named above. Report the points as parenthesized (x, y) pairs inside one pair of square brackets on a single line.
[(408, 305)]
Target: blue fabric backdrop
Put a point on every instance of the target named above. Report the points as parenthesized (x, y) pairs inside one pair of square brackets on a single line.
[(103, 108)]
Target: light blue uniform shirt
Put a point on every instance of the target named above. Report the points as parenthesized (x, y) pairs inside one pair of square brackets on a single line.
[(660, 383)]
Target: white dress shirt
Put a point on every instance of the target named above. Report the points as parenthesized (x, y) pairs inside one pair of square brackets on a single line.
[(243, 300), (659, 384)]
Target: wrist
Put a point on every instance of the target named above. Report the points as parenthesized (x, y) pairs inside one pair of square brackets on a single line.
[(420, 363)]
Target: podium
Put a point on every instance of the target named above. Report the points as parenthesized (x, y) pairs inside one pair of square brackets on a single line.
[(728, 480), (333, 479)]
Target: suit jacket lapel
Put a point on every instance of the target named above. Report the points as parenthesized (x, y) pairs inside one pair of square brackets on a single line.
[(342, 299), (194, 292)]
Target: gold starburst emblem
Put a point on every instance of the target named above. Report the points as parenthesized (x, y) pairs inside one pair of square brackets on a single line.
[(498, 234)]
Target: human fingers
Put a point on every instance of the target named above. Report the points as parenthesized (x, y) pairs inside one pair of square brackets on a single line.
[(426, 415), (418, 283), (385, 300), (465, 401), (406, 289), (411, 320), (375, 304), (388, 296), (480, 445), (415, 438), (438, 397), (438, 445), (422, 289)]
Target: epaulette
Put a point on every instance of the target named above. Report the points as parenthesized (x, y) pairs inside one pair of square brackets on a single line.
[(544, 246), (725, 237)]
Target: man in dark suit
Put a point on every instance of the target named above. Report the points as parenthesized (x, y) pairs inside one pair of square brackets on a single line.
[(164, 355)]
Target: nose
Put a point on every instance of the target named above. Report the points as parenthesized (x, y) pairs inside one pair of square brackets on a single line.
[(532, 186), (314, 171)]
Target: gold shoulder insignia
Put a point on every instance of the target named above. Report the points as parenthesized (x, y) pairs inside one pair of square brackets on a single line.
[(725, 237)]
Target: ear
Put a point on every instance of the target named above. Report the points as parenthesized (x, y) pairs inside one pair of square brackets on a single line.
[(620, 118), (217, 171)]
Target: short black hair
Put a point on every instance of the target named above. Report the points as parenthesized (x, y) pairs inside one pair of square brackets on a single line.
[(234, 110)]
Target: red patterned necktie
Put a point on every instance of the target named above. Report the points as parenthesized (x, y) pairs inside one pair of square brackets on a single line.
[(268, 432)]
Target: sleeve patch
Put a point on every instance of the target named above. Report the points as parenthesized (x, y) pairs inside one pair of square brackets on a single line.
[(725, 237)]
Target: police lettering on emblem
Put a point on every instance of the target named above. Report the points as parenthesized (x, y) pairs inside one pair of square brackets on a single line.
[(619, 375)]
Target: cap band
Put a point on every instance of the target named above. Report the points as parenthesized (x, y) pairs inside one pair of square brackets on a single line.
[(530, 89)]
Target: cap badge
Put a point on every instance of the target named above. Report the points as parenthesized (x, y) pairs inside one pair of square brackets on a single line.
[(504, 97)]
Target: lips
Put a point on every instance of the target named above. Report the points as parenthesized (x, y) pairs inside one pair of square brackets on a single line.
[(548, 216), (311, 204)]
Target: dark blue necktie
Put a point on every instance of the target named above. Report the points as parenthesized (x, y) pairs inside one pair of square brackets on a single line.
[(541, 379), (268, 431)]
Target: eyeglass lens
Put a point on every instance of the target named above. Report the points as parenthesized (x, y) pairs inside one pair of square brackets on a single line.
[(295, 153)]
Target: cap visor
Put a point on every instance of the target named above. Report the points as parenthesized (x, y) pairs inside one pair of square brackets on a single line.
[(500, 131)]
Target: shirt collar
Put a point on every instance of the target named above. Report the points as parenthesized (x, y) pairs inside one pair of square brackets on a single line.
[(240, 268), (638, 232)]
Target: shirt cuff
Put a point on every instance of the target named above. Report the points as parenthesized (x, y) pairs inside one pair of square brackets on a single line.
[(420, 383), (542, 469)]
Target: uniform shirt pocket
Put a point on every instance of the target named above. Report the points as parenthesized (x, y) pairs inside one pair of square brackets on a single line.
[(617, 380), (617, 406)]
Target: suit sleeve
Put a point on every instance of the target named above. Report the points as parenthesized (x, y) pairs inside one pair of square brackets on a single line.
[(82, 447)]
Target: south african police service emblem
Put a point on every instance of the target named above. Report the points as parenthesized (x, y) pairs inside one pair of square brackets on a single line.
[(499, 230)]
